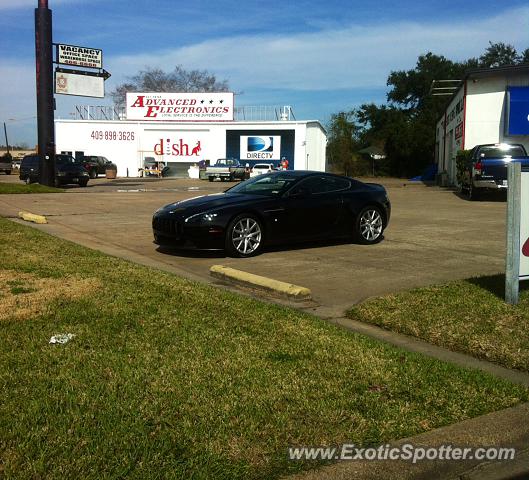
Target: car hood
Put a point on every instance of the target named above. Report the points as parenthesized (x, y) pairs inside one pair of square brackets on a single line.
[(209, 202)]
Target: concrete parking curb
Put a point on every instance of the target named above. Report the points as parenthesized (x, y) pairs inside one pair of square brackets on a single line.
[(31, 217), (256, 281)]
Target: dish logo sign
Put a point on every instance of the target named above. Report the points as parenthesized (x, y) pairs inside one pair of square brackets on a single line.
[(260, 147), (178, 148)]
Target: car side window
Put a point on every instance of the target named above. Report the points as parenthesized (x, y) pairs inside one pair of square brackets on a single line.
[(335, 184), (318, 185)]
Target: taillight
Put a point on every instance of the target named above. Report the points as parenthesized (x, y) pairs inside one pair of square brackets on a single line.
[(478, 167)]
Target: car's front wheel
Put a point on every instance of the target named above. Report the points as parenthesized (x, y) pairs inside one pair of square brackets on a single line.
[(244, 236), (369, 226)]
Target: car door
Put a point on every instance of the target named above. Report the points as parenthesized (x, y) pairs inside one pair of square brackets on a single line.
[(314, 208)]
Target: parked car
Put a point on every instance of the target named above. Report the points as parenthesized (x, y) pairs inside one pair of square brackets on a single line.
[(285, 206), (226, 169), (485, 169), (6, 164), (67, 170), (95, 165), (261, 168)]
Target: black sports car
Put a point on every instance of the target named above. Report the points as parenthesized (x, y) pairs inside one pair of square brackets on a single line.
[(279, 207)]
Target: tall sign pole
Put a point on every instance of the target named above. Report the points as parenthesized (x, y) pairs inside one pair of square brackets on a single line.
[(45, 103)]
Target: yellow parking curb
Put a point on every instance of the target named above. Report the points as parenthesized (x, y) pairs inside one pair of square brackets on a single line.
[(256, 281), (31, 217)]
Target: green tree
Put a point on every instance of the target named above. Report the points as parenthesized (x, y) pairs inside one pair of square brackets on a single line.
[(498, 55), (179, 80), (524, 56), (342, 143)]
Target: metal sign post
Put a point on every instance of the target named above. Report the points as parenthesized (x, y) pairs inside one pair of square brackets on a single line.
[(517, 259)]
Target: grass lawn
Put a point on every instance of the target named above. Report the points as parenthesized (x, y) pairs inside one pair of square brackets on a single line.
[(469, 316), (23, 188), (166, 378)]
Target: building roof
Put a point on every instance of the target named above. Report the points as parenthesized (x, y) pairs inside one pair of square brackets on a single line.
[(484, 72), (492, 72)]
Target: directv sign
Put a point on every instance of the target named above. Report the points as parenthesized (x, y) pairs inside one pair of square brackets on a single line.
[(260, 147), (79, 56), (518, 111)]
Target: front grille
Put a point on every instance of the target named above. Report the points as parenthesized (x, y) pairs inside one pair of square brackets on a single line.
[(167, 226)]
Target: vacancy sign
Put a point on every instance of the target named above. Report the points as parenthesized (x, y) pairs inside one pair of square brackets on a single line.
[(79, 56)]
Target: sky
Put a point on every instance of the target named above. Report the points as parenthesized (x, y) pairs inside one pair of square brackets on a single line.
[(320, 57)]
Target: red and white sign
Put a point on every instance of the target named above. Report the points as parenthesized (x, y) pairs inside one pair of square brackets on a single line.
[(81, 85), (180, 148), (524, 226), (180, 107)]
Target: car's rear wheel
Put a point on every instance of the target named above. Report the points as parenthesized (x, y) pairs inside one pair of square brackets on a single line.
[(244, 236), (93, 173), (210, 179), (369, 226)]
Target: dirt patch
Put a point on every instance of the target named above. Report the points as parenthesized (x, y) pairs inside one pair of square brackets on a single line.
[(23, 295)]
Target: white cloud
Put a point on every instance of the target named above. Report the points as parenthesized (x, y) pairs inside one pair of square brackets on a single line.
[(358, 57), (18, 101), (354, 57)]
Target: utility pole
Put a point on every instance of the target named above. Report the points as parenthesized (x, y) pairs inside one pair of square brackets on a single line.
[(7, 143), (45, 100)]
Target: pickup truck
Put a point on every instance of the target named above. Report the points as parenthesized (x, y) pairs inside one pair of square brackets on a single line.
[(95, 165), (485, 169), (226, 169), (6, 164)]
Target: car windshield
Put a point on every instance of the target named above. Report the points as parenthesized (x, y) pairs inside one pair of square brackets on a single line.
[(65, 159), (269, 185), (501, 151)]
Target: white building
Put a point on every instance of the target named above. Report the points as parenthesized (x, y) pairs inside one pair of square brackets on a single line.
[(180, 144), (488, 107)]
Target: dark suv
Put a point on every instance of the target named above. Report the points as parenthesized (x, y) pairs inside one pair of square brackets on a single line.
[(67, 170)]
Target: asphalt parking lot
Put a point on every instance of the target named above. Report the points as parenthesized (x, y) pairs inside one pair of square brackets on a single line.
[(434, 236)]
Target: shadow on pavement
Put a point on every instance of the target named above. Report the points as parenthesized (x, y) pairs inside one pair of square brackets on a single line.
[(191, 252), (496, 197)]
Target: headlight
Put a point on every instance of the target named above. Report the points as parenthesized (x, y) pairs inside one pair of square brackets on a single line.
[(84, 174), (208, 217), (61, 174)]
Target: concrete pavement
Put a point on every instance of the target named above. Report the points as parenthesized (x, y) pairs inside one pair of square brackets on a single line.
[(434, 236)]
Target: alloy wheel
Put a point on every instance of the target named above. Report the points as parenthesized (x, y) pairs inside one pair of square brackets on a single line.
[(371, 225), (246, 236)]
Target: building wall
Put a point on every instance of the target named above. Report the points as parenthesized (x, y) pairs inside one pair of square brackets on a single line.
[(179, 145), (316, 144), (450, 133), (486, 111), (481, 120)]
